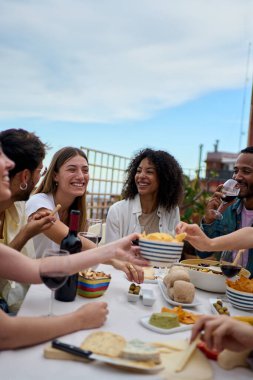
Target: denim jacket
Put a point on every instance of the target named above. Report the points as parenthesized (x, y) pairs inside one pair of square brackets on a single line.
[(230, 222)]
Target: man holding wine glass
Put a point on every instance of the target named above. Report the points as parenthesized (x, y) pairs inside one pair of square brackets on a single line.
[(236, 214)]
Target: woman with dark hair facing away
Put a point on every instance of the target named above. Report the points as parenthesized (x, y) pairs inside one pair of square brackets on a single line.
[(151, 194)]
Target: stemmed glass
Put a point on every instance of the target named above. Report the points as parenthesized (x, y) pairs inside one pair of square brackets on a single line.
[(89, 235), (53, 269), (95, 226), (229, 263), (230, 190)]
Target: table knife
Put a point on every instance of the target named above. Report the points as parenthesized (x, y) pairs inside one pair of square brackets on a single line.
[(71, 349)]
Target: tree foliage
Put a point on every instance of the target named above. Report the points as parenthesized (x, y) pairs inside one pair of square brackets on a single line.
[(195, 199)]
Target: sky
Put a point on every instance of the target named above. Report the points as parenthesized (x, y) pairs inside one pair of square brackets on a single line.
[(119, 76)]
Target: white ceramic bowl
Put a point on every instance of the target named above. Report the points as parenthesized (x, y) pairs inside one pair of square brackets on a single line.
[(208, 281), (160, 253), (240, 300)]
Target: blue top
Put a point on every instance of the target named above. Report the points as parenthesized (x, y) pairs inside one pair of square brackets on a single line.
[(230, 222)]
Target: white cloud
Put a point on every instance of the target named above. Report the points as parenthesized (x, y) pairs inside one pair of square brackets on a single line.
[(112, 60)]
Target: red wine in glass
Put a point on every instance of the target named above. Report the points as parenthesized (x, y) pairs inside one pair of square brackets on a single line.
[(89, 235), (53, 280), (95, 226), (230, 191), (229, 198), (230, 270), (53, 269)]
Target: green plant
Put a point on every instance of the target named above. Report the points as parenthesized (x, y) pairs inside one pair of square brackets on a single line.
[(195, 198)]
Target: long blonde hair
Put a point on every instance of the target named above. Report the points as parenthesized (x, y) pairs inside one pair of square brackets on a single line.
[(48, 184)]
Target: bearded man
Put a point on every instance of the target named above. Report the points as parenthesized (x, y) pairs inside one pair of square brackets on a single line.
[(236, 214)]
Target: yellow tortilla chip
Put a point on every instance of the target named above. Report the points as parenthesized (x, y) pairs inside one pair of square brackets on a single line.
[(181, 237)]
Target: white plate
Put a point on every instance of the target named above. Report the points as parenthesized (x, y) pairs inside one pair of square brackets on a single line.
[(233, 311), (125, 363), (145, 322), (174, 303), (158, 273)]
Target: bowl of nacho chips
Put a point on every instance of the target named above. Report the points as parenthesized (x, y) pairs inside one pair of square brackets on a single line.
[(161, 249), (240, 293)]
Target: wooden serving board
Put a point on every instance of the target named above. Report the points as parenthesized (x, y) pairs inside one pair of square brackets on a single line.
[(53, 353)]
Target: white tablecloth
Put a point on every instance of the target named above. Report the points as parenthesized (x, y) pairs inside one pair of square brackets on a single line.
[(124, 317)]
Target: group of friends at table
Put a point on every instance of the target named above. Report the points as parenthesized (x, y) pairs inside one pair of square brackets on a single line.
[(151, 196)]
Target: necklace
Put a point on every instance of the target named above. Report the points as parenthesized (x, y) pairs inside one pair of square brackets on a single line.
[(150, 222)]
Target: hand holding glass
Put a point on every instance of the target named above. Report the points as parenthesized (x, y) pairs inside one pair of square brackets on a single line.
[(230, 190), (53, 269)]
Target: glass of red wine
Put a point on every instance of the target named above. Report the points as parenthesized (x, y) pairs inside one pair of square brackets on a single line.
[(53, 269), (89, 235), (230, 191), (95, 226), (227, 265)]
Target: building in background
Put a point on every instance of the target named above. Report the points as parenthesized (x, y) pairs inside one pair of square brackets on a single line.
[(107, 172)]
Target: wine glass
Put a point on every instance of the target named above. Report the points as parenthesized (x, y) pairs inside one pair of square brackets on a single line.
[(92, 237), (89, 235), (228, 263), (230, 191), (95, 226), (53, 269)]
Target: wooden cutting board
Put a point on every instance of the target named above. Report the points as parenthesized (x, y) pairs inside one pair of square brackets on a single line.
[(53, 353)]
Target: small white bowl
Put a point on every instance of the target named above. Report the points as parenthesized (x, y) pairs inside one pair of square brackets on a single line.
[(132, 297), (148, 297)]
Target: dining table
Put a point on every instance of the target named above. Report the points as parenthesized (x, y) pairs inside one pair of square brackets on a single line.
[(124, 318)]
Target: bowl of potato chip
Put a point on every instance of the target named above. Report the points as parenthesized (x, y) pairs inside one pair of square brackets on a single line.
[(161, 249), (240, 293), (92, 284)]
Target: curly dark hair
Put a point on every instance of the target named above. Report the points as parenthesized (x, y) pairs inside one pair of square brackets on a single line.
[(169, 173)]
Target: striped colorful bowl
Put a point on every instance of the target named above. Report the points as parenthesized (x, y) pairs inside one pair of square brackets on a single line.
[(160, 253), (240, 300), (92, 288)]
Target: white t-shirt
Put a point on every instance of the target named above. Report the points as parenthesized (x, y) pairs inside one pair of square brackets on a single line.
[(37, 201)]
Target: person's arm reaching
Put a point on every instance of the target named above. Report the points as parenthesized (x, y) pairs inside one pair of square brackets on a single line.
[(18, 332), (242, 238), (17, 267)]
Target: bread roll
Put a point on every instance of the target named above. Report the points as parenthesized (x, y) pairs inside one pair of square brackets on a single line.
[(184, 291), (174, 275), (171, 293)]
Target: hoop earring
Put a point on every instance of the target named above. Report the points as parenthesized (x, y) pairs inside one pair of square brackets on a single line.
[(23, 187)]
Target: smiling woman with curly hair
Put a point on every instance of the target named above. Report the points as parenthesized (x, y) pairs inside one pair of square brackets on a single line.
[(151, 195)]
